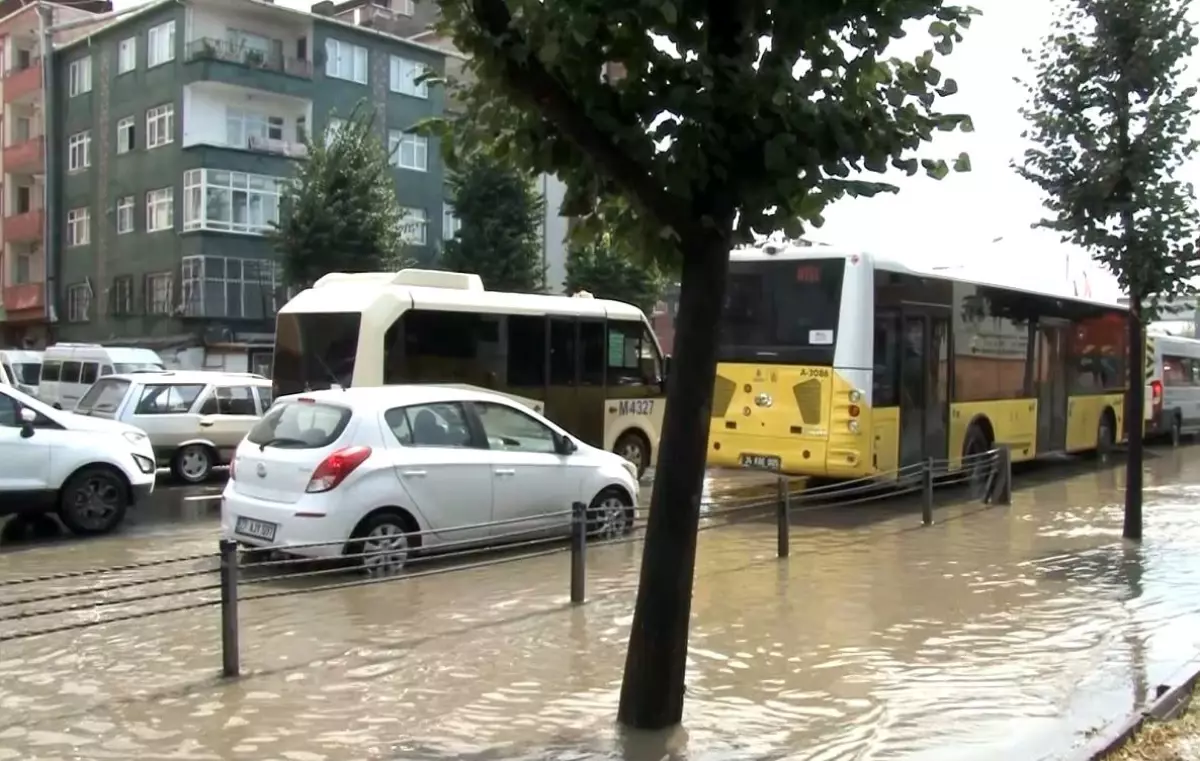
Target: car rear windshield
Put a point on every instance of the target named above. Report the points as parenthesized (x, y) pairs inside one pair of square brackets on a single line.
[(300, 424), (103, 398)]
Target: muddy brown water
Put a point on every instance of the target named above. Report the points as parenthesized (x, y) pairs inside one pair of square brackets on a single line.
[(997, 633)]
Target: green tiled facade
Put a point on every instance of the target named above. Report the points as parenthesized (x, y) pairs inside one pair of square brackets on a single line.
[(112, 264)]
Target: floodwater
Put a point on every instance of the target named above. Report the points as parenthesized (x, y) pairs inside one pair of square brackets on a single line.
[(997, 633)]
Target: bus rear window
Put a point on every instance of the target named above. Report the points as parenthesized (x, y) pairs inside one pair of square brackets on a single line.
[(314, 350), (782, 312)]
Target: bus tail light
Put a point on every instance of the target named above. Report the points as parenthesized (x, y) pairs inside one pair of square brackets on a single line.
[(856, 396), (854, 410), (853, 426), (1156, 396)]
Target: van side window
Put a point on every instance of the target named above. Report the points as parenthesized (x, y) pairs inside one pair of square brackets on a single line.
[(88, 373), (70, 372), (168, 399), (51, 371), (106, 370)]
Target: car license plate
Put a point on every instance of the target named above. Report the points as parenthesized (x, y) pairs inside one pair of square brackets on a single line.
[(256, 529), (760, 461)]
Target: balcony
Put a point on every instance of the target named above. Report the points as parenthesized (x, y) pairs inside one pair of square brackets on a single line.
[(213, 49), (23, 297), (26, 157), (23, 227), (278, 147), (23, 84)]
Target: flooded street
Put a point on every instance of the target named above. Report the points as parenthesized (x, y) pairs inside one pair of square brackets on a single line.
[(996, 633)]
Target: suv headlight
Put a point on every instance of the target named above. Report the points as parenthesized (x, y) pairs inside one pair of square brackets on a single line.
[(134, 437)]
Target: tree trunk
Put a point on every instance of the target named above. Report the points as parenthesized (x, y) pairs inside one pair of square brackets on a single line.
[(653, 688), (1135, 413)]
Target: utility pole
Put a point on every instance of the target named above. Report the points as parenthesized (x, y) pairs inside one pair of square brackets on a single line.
[(50, 248)]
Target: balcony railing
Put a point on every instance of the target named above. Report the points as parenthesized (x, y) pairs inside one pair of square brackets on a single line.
[(24, 296), (26, 156), (279, 147), (213, 49), (21, 83), (22, 227)]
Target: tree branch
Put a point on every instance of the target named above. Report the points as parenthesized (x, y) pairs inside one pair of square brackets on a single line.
[(527, 75)]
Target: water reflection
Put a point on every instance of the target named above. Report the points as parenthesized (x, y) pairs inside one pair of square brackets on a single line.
[(998, 633)]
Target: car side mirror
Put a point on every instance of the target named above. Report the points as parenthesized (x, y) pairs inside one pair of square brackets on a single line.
[(563, 444), (28, 418)]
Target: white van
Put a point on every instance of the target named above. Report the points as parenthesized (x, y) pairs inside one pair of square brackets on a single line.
[(69, 369), (21, 368), (1172, 385)]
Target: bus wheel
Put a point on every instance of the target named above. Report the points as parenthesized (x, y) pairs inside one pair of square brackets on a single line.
[(633, 446), (1106, 434), (975, 446)]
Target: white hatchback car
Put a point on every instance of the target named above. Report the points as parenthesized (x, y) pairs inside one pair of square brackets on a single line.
[(88, 471), (400, 468)]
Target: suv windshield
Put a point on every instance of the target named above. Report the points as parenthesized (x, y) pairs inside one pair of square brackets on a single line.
[(300, 424), (103, 398)]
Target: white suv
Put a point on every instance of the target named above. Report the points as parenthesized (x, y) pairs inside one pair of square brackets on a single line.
[(401, 468), (86, 470)]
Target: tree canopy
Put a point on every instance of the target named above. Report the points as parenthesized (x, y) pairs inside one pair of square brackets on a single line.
[(603, 270), (682, 129), (340, 213), (500, 215), (1110, 120)]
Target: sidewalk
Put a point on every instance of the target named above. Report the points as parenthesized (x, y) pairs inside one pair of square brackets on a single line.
[(1177, 740)]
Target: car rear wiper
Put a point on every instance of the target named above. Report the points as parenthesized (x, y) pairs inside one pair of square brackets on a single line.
[(276, 442)]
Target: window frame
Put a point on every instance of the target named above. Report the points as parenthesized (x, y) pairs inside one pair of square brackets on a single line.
[(197, 188), (419, 219), (79, 151), (122, 295), (334, 55), (160, 125), (158, 50), (152, 298), (80, 216), (79, 305), (126, 55), (403, 70), (126, 124), (399, 140), (125, 213), (156, 202), (79, 76)]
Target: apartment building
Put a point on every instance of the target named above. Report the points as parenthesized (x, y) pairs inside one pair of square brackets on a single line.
[(176, 128), (415, 20), (22, 167)]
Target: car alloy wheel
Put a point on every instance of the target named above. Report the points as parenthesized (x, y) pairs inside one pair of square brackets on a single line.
[(610, 516), (385, 550)]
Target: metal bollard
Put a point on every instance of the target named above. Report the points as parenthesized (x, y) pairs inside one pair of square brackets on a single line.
[(927, 493), (579, 521), (783, 526), (230, 660), (1004, 469)]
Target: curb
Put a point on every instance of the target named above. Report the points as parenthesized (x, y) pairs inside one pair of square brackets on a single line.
[(1170, 700)]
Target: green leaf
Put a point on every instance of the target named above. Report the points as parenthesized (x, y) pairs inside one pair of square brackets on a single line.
[(962, 163)]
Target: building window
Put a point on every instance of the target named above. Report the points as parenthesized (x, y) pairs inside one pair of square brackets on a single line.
[(215, 199), (122, 295), (160, 44), (127, 55), (404, 7), (125, 215), (414, 225), (23, 272), (160, 209), (80, 76), (219, 286), (404, 76), (409, 151), (450, 223), (345, 61), (242, 126), (79, 151), (125, 139), (158, 293), (79, 226), (160, 125), (79, 302)]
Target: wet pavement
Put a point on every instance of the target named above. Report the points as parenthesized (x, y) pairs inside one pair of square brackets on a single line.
[(996, 633)]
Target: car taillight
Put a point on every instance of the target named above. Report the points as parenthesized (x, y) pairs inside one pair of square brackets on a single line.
[(334, 468), (1156, 395)]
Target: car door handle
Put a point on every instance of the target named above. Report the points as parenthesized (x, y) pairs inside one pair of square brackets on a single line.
[(505, 472), (414, 473), (206, 424)]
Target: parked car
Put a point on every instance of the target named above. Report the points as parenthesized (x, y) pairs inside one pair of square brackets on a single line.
[(69, 369), (381, 472), (194, 419), (87, 471)]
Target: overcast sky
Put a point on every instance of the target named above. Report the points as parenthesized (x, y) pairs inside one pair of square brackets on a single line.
[(954, 222)]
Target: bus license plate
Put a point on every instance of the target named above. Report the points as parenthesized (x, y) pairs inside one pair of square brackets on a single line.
[(760, 461)]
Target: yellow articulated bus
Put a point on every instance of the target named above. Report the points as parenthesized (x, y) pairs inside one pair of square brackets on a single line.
[(846, 365)]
